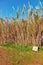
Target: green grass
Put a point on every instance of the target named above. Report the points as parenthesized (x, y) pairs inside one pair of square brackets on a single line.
[(23, 55), (19, 47)]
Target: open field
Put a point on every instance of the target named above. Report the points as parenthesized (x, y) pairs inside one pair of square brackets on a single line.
[(12, 54)]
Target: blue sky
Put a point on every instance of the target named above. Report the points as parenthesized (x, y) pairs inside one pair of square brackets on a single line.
[(8, 7)]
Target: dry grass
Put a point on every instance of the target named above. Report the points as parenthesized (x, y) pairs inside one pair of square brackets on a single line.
[(25, 31)]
